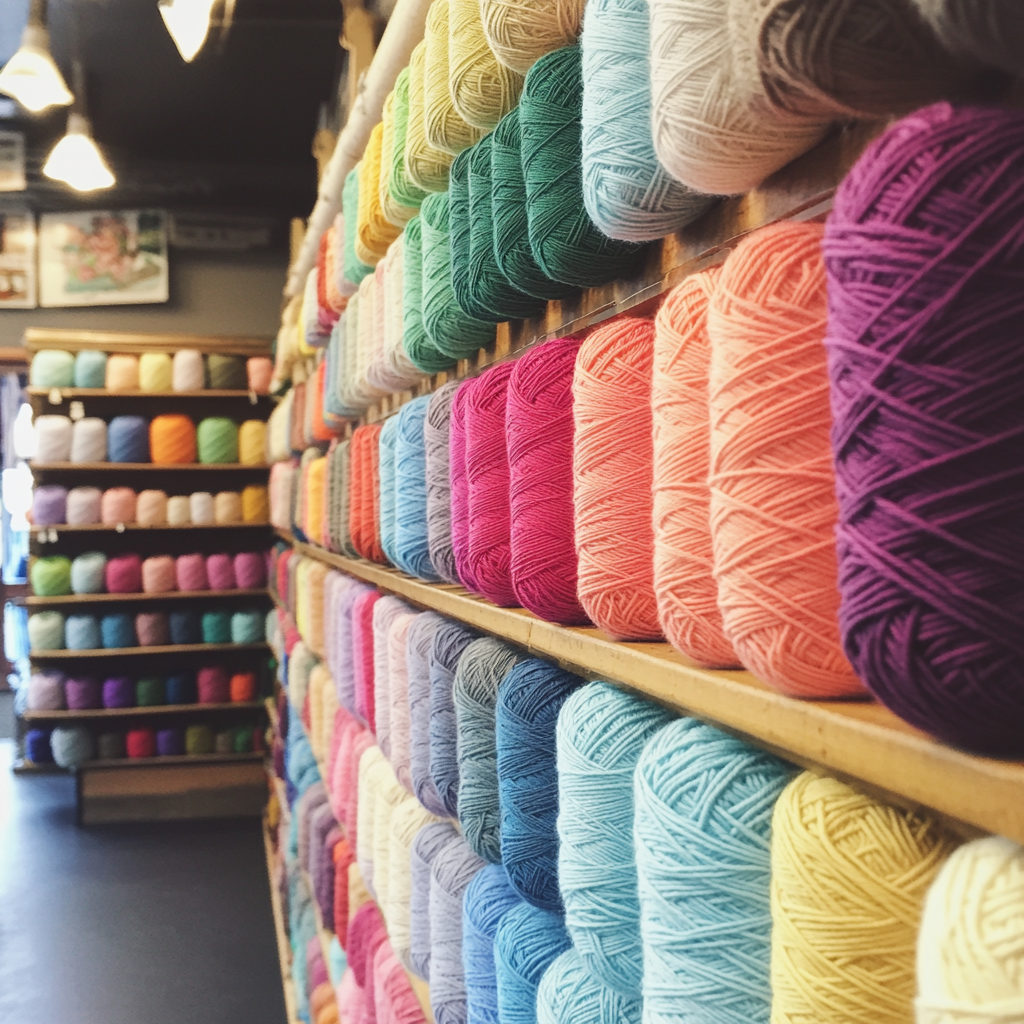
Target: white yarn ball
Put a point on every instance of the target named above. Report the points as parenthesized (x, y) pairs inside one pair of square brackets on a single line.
[(72, 745), (201, 508), (179, 512), (53, 438), (89, 440), (83, 507), (188, 372)]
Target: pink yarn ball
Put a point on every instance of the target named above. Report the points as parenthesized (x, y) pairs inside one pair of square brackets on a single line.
[(117, 506), (459, 481), (123, 574), (220, 571), (259, 370), (158, 575), (213, 685), (361, 742), (190, 571), (362, 647), (152, 629), (395, 1000), (250, 570), (399, 721)]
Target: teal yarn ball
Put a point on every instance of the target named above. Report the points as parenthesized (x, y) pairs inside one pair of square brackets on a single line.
[(527, 942), (448, 327), (482, 667), (570, 994), (600, 735), (88, 572), (52, 368), (118, 630), (386, 491), (82, 632), (50, 576), (489, 897), (418, 347), (90, 369), (216, 627), (355, 269), (704, 804), (72, 745), (46, 631), (512, 250), (565, 241), (458, 241), (247, 627), (626, 191), (217, 440), (411, 543)]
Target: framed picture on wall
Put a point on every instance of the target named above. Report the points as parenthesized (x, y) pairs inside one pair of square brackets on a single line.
[(103, 258), (17, 261)]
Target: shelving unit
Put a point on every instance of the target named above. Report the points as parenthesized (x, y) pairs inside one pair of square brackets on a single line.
[(168, 595), (137, 712), (146, 467), (125, 652)]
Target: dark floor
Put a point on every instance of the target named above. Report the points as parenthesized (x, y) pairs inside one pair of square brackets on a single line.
[(167, 923)]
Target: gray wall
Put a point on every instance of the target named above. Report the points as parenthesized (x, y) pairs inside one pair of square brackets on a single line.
[(211, 293)]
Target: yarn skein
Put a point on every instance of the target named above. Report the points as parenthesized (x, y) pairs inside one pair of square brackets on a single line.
[(217, 440), (411, 540), (89, 440), (419, 642), (439, 504), (90, 369), (569, 993), (425, 166), (418, 346), (128, 439), (155, 371), (443, 125), (429, 842), (172, 439), (459, 482), (520, 32), (527, 942)]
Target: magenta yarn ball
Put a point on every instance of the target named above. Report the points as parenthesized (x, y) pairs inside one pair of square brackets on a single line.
[(190, 572), (459, 481), (213, 685), (123, 574), (220, 571), (250, 570)]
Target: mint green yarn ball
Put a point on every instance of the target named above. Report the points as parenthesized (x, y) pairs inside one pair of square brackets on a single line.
[(418, 347), (216, 627), (91, 369), (52, 368), (247, 627), (217, 440), (87, 573), (46, 631), (355, 269), (51, 576)]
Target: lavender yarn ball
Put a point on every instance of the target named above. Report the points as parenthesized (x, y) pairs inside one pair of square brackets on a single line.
[(118, 692), (49, 505), (128, 439), (82, 633), (45, 691), (72, 745), (418, 644), (170, 742), (83, 693), (428, 844), (439, 491)]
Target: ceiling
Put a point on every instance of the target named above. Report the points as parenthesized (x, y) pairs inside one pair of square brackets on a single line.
[(230, 132)]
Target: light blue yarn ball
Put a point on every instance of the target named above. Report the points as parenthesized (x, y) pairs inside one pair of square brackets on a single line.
[(247, 627), (626, 191), (88, 573), (704, 804), (118, 630), (52, 368), (570, 994), (338, 961), (46, 631), (90, 369), (270, 625), (412, 549), (527, 942), (72, 745), (489, 897), (82, 633), (601, 732), (388, 436)]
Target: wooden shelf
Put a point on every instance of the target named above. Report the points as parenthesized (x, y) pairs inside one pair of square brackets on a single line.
[(284, 948), (158, 709), (135, 467), (122, 527), (175, 759), (169, 595), (859, 741), (104, 393), (36, 338), (114, 652)]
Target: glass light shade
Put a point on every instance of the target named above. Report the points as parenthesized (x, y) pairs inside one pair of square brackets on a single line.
[(188, 22), (77, 161), (31, 76)]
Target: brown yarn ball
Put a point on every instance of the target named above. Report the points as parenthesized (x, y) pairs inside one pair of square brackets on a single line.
[(991, 30)]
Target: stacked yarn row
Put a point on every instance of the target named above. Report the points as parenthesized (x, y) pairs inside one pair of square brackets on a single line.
[(612, 861), (152, 372), (95, 573), (50, 690), (172, 439)]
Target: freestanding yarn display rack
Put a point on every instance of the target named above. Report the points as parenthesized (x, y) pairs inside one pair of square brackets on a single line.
[(197, 778)]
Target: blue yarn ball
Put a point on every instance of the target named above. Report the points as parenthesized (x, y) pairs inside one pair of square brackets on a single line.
[(37, 746), (82, 632), (88, 573), (247, 627), (412, 550), (338, 961), (90, 369), (527, 942), (128, 439), (216, 627), (488, 898), (388, 436), (181, 689), (529, 699), (185, 627), (118, 630), (570, 994)]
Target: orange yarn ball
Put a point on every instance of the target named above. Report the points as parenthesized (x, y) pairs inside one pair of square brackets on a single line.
[(243, 686), (613, 460), (364, 493), (255, 504), (684, 578), (773, 501), (172, 439)]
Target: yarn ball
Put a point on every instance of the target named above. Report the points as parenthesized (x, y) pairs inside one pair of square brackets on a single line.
[(464, 282), (255, 504), (128, 439), (150, 692), (539, 438), (151, 508), (37, 746), (89, 440), (110, 746), (684, 578), (190, 572), (250, 569), (252, 443), (200, 506), (526, 715), (178, 511), (704, 804), (50, 576), (82, 633), (49, 505), (152, 629), (118, 631), (482, 666), (170, 742), (185, 627), (439, 513), (259, 371), (188, 371), (83, 506), (848, 880), (198, 740), (83, 693), (989, 30), (117, 506), (155, 371), (443, 126), (626, 191), (520, 32), (569, 993), (46, 631), (122, 372), (932, 628), (600, 735), (53, 438), (411, 540), (488, 898), (220, 569), (227, 507), (527, 942), (613, 475), (45, 691), (180, 689), (217, 441), (226, 373), (216, 627), (458, 480), (482, 89), (242, 686), (420, 349), (429, 842), (247, 627), (419, 642), (386, 485), (158, 576), (223, 742), (90, 369), (123, 574), (565, 242), (213, 685), (140, 743), (52, 368), (118, 692), (172, 439)]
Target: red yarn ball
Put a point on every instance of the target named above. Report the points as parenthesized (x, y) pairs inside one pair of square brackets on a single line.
[(140, 743), (213, 685)]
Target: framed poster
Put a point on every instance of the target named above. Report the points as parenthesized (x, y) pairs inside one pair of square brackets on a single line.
[(17, 261), (104, 258)]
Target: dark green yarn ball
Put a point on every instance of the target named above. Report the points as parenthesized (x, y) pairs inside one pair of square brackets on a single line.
[(418, 347)]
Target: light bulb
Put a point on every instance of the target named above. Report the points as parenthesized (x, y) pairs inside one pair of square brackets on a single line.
[(77, 161), (188, 22), (31, 76)]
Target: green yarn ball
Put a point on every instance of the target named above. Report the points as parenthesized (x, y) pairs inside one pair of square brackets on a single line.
[(355, 268), (217, 440), (448, 327), (226, 373), (247, 627), (46, 631), (216, 627), (52, 368), (242, 739), (90, 369), (566, 243), (150, 692), (51, 576), (458, 241), (402, 189), (198, 739), (418, 347)]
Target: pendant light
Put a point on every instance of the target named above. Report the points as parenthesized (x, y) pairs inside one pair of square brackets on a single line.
[(76, 159), (188, 22), (31, 76)]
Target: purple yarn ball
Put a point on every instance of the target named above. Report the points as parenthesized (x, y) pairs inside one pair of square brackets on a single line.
[(118, 692), (49, 505), (83, 693), (170, 742)]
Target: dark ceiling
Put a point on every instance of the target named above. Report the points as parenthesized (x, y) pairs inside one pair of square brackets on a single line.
[(231, 132)]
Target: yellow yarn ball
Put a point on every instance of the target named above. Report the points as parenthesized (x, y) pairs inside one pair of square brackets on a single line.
[(426, 167), (255, 504), (849, 877), (252, 443), (445, 128), (394, 212), (970, 950), (482, 90), (156, 371), (373, 232), (520, 32)]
